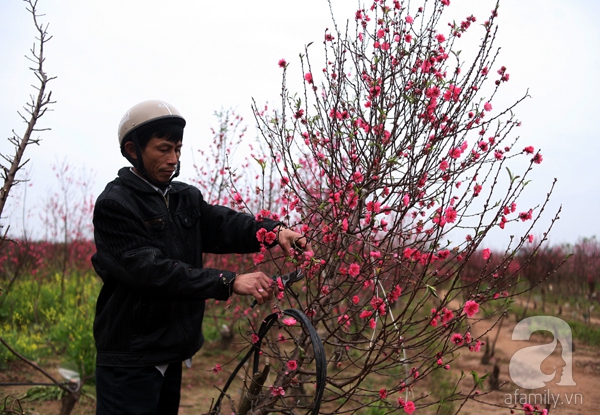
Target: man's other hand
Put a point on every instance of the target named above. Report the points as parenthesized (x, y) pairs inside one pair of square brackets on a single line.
[(256, 284)]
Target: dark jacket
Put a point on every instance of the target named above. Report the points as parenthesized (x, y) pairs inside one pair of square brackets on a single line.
[(149, 256)]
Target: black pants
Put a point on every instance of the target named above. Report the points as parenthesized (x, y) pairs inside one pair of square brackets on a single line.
[(138, 390)]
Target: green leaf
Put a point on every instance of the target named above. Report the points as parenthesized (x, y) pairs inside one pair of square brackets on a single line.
[(263, 164), (431, 290)]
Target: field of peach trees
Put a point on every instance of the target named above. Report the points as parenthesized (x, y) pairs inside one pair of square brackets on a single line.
[(395, 160)]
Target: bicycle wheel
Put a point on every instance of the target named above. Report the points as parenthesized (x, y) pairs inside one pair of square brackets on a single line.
[(288, 369)]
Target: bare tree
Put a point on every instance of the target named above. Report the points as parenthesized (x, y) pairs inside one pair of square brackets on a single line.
[(35, 108)]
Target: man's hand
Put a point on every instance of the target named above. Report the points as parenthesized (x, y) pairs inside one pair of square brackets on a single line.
[(289, 239), (256, 284)]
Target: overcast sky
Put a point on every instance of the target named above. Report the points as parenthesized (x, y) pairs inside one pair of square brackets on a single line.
[(203, 56)]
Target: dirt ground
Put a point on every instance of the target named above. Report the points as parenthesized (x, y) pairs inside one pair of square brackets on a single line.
[(583, 398), (200, 384)]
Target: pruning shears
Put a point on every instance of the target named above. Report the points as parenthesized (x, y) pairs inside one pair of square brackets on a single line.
[(286, 280)]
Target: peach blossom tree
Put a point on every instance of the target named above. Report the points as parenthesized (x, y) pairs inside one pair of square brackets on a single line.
[(396, 162)]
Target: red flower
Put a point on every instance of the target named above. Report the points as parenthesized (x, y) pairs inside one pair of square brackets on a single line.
[(290, 321), (354, 270), (528, 409), (308, 77), (382, 393), (292, 365), (526, 215), (457, 339), (366, 314), (277, 391), (487, 253), (409, 406), (529, 150), (282, 63), (471, 308)]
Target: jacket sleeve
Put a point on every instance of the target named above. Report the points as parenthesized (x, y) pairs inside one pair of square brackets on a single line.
[(225, 230), (127, 255)]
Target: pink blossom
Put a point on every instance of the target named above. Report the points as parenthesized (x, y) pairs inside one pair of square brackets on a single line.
[(529, 150), (408, 252), (344, 320), (444, 165), (537, 159), (292, 365), (366, 314), (409, 406), (308, 77), (409, 19), (405, 200), (382, 393), (408, 38), (290, 321), (282, 63), (452, 93), (487, 106), (217, 368), (355, 300), (487, 253), (440, 38), (471, 308), (372, 323), (277, 391), (457, 339), (270, 237), (358, 177), (450, 214), (354, 270), (260, 235), (255, 338), (447, 316), (524, 216), (530, 238), (455, 153)]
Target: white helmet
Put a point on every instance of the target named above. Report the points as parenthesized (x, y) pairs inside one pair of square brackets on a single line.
[(145, 114), (142, 120)]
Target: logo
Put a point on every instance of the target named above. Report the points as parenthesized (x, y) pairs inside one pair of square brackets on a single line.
[(525, 365)]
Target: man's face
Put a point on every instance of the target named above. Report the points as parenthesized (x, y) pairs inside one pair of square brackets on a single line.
[(160, 158)]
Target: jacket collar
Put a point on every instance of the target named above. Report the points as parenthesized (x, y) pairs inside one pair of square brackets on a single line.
[(140, 184)]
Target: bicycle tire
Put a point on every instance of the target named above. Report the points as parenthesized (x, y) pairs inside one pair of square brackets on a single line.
[(317, 348)]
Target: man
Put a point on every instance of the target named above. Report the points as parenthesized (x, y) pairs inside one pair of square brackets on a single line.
[(150, 233)]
